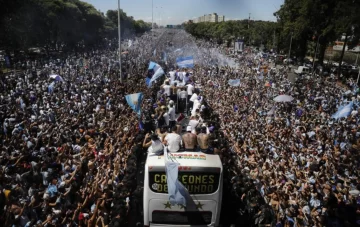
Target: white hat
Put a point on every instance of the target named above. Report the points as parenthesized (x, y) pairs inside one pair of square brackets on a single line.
[(188, 128)]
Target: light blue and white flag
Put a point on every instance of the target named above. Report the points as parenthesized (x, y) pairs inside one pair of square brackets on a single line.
[(343, 111), (134, 101), (234, 83), (185, 62), (176, 190), (158, 72)]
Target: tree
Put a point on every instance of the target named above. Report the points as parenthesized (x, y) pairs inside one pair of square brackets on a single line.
[(347, 23), (260, 32), (54, 24), (320, 21)]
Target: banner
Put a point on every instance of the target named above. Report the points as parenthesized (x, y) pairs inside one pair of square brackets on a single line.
[(134, 101), (185, 62)]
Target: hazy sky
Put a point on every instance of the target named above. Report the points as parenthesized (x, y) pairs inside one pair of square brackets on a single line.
[(178, 11)]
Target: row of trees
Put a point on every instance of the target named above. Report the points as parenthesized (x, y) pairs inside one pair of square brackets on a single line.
[(322, 21), (255, 32), (54, 24), (304, 21)]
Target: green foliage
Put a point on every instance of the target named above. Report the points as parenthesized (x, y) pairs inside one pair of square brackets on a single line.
[(72, 24), (317, 20), (259, 32), (128, 24)]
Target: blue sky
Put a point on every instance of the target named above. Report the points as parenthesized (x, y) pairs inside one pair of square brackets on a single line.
[(178, 11)]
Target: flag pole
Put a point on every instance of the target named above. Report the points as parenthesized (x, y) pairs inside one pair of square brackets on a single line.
[(119, 33)]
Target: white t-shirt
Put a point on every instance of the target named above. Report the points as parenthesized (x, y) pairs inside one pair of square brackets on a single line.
[(193, 124), (173, 141), (190, 89), (167, 118), (156, 146), (194, 97), (182, 94), (181, 75), (167, 89), (171, 114), (172, 75), (196, 105)]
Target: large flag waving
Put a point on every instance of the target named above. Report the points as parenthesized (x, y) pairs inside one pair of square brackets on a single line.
[(175, 189), (134, 101), (343, 111), (158, 71), (185, 62)]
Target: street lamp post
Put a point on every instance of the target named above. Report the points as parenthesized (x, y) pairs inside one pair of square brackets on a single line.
[(291, 38), (316, 48), (119, 33)]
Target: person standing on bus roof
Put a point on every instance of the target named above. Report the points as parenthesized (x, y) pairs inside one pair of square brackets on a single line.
[(203, 140), (189, 140), (182, 100), (155, 146), (173, 141), (167, 89), (171, 113)]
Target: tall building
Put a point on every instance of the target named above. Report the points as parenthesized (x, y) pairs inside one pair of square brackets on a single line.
[(221, 18), (214, 18)]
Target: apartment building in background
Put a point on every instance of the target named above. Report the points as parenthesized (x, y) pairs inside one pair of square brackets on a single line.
[(214, 18)]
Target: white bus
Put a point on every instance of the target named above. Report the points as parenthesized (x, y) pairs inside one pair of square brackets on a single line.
[(202, 176)]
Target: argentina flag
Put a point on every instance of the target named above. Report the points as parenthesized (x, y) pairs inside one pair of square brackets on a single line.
[(175, 189), (185, 62), (134, 101), (343, 111), (234, 83), (158, 72)]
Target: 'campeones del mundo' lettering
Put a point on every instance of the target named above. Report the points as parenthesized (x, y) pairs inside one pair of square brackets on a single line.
[(204, 183)]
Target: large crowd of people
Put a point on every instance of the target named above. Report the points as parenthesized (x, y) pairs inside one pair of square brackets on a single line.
[(71, 146), (303, 162)]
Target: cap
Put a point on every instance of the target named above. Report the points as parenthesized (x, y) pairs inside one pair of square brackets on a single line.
[(81, 216), (188, 128)]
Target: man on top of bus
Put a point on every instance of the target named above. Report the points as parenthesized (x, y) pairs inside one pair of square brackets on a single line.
[(189, 140), (173, 140), (203, 140)]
